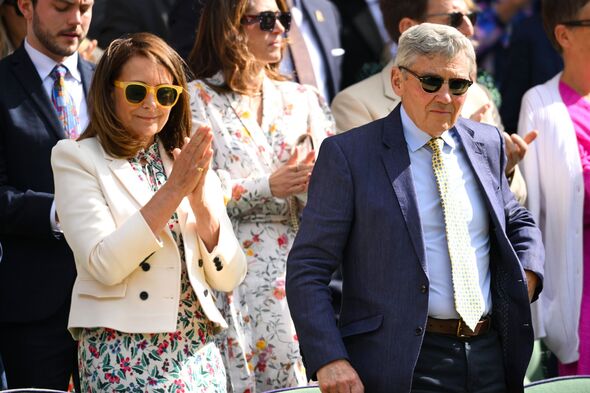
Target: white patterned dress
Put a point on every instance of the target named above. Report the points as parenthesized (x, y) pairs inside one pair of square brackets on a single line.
[(261, 349), (183, 361)]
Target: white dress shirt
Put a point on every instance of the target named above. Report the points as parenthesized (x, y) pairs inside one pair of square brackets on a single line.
[(462, 185)]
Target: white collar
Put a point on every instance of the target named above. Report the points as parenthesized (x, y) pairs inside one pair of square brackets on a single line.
[(44, 64)]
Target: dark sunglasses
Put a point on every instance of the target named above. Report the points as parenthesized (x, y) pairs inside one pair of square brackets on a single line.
[(432, 84), (268, 20), (456, 18), (136, 92), (577, 23)]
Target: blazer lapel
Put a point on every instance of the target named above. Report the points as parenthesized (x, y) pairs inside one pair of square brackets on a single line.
[(86, 71), (397, 165), (138, 189), (476, 155), (29, 77)]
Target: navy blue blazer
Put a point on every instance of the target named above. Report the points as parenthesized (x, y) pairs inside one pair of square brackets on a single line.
[(362, 214), (37, 271)]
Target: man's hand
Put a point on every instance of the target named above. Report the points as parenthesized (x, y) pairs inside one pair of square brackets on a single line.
[(339, 377), (516, 148), (531, 282)]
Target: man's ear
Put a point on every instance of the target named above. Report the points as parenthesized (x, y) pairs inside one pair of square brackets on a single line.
[(406, 23), (396, 81), (26, 8)]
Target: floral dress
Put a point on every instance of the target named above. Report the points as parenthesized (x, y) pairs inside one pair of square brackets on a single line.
[(186, 360), (261, 348)]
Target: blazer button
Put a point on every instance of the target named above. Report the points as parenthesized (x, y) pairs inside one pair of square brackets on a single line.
[(200, 263), (419, 331), (144, 295), (206, 293), (423, 289), (218, 264), (145, 266)]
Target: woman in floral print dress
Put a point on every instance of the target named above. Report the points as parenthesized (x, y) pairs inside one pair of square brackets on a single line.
[(265, 129), (146, 221)]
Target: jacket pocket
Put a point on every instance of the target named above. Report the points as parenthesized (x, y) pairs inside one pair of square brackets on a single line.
[(361, 326), (96, 289)]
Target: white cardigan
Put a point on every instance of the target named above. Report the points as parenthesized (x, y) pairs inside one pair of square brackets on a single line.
[(98, 198), (553, 173)]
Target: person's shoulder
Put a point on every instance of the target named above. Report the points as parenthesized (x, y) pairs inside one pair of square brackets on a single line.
[(544, 90), (362, 134), (367, 88)]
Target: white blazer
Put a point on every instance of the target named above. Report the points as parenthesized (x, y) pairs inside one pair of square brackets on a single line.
[(553, 173), (128, 279)]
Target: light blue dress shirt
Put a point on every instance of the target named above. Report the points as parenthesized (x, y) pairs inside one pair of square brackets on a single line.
[(462, 185)]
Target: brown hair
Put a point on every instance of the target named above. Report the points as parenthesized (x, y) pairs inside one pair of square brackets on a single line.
[(556, 12), (104, 123), (221, 45), (395, 10)]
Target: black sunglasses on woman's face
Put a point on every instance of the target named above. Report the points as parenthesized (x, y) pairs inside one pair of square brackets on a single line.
[(456, 18), (268, 19)]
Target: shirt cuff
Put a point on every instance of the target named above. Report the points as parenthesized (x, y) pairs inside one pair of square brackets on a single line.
[(55, 227)]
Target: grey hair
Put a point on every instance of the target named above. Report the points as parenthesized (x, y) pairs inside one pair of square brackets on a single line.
[(429, 39)]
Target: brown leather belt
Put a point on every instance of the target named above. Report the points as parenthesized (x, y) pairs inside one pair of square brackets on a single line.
[(457, 328)]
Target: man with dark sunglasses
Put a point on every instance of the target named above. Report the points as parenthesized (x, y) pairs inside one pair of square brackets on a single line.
[(42, 100), (374, 97), (439, 261)]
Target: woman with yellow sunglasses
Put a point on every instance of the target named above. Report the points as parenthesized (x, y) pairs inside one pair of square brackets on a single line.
[(146, 222)]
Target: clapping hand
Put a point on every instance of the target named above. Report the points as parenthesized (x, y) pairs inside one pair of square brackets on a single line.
[(293, 177)]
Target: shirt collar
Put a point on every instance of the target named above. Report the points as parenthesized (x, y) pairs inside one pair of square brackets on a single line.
[(415, 137), (44, 64)]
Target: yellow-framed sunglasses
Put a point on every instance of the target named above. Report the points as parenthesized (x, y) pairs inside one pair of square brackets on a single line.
[(136, 92)]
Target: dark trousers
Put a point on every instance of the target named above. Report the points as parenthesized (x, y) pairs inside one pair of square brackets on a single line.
[(39, 354), (449, 364)]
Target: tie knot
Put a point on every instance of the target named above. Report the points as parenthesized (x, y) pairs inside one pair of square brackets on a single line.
[(59, 72), (436, 144)]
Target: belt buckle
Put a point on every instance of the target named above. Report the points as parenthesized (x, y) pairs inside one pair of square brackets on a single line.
[(459, 333)]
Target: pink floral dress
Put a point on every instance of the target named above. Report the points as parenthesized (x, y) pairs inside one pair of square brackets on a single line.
[(186, 360), (261, 348)]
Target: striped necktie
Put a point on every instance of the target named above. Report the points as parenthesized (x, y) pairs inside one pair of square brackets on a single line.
[(66, 110), (468, 298)]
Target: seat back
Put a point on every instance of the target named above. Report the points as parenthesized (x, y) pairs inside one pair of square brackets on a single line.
[(574, 384), (302, 389)]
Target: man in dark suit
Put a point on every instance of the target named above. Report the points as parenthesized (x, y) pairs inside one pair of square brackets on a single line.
[(438, 259), (319, 24), (41, 79), (115, 18), (364, 39)]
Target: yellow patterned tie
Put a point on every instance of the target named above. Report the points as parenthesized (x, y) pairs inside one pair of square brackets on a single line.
[(468, 298)]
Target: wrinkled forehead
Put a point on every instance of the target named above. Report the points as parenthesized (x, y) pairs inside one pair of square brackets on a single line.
[(447, 6), (458, 65)]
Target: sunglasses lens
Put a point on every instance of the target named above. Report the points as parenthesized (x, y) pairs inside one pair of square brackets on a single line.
[(431, 84), (135, 93), (472, 18), (458, 86), (166, 96), (456, 19), (267, 20), (285, 19)]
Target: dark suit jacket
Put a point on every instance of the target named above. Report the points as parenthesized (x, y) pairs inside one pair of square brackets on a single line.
[(115, 18), (325, 22), (361, 40), (362, 214), (37, 271), (530, 60)]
